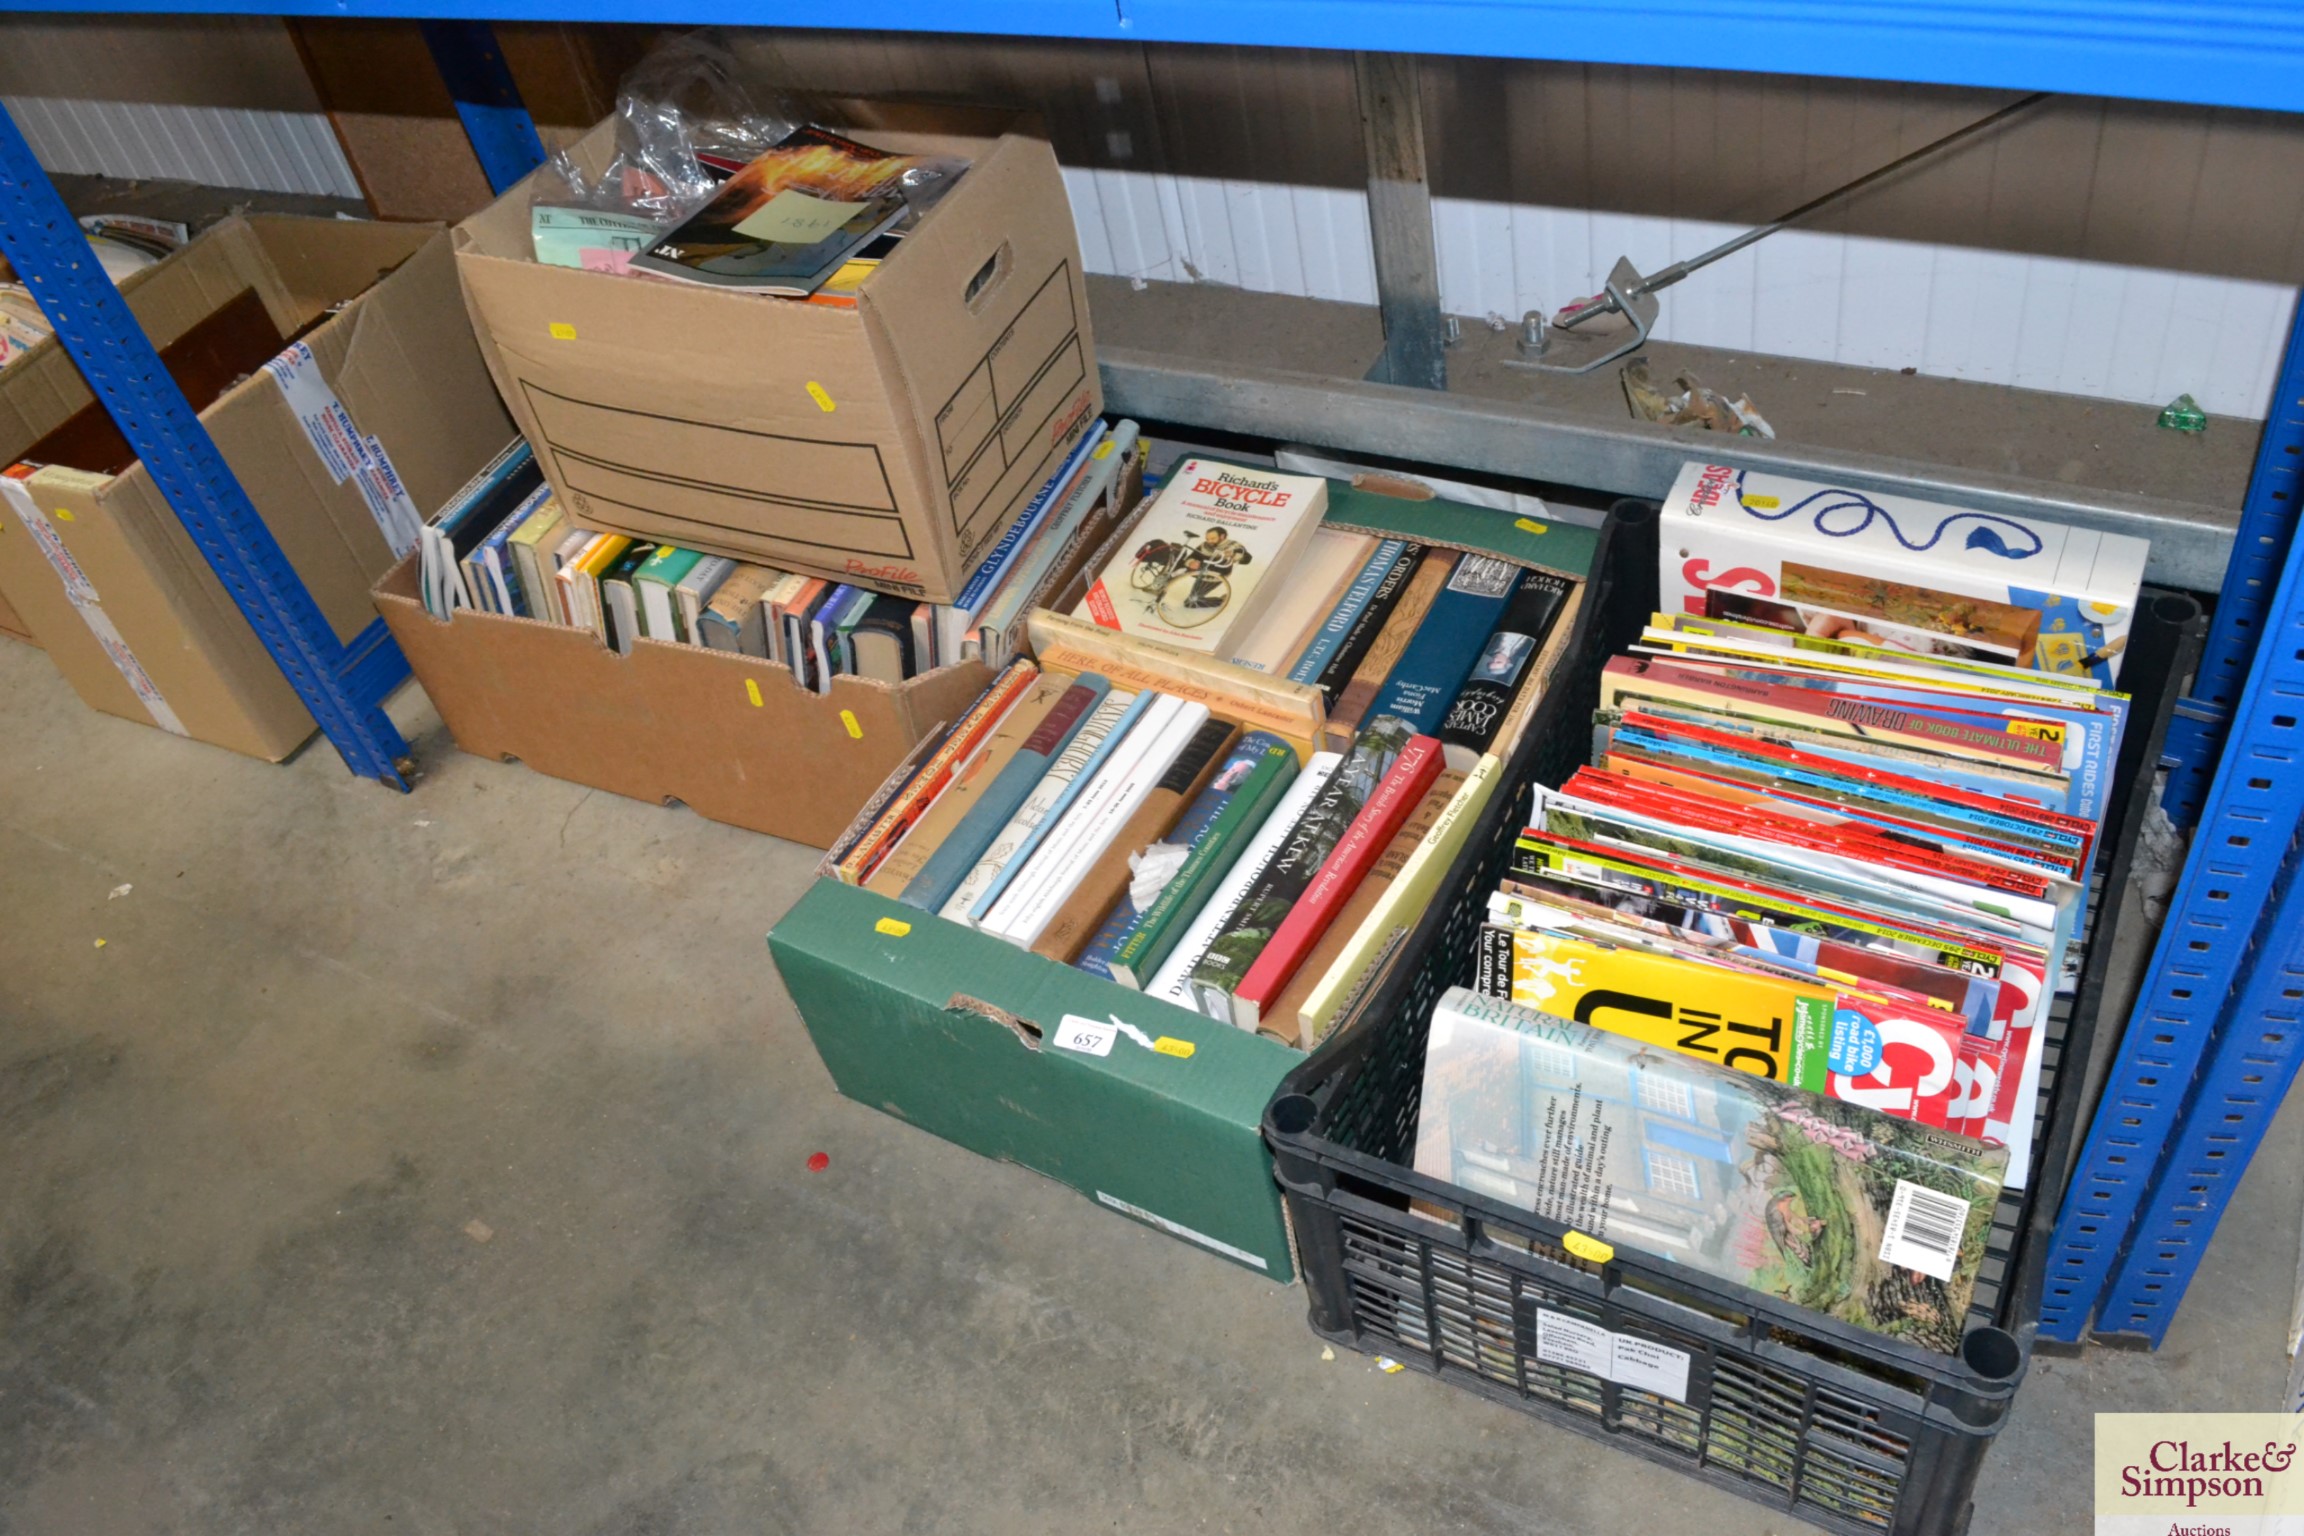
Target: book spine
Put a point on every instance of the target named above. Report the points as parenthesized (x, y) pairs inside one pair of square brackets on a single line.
[(1398, 634), (1367, 624), (980, 721), (1244, 792), (1067, 778), (1174, 981), (1104, 888), (1098, 818), (950, 866), (1413, 773), (980, 585), (1328, 639), (1052, 842), (1492, 962), (1503, 668), (1430, 671), (1265, 905)]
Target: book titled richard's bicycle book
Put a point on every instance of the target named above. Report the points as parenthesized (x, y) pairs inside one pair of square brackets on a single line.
[(1205, 561)]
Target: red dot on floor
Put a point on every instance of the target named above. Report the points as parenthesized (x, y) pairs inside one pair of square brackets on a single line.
[(819, 1161)]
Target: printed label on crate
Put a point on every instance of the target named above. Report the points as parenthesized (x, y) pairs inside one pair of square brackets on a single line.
[(82, 593), (1626, 1359), (2199, 1474), (343, 450), (1086, 1036)]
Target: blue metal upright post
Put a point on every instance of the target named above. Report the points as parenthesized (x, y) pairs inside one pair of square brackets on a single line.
[(2249, 820), (2259, 550), (2258, 1048), (343, 685), (472, 66)]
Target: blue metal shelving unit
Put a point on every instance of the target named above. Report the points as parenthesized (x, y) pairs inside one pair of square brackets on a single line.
[(2213, 1042)]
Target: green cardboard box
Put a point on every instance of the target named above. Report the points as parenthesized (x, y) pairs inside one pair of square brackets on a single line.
[(956, 1032)]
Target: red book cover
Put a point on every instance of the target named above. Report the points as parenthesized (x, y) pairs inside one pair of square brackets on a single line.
[(1413, 773)]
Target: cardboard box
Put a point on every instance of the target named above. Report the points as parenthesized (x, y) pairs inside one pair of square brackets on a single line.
[(960, 1033), (96, 563), (955, 1031), (889, 444), (14, 627), (732, 737)]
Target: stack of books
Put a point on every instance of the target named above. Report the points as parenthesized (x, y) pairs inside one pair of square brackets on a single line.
[(504, 545), (1213, 772), (1850, 861)]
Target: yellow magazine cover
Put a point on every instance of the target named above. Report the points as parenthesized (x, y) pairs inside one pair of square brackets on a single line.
[(1748, 1023)]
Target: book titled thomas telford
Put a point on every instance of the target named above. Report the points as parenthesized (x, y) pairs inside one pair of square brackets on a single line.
[(1208, 557)]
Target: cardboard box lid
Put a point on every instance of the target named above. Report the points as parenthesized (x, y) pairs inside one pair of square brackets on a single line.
[(950, 1029)]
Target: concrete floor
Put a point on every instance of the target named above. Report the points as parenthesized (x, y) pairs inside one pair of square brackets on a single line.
[(427, 1164)]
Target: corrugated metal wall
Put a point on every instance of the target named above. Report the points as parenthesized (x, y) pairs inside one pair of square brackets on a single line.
[(218, 100)]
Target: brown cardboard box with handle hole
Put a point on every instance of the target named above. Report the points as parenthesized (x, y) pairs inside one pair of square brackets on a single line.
[(888, 444), (388, 388)]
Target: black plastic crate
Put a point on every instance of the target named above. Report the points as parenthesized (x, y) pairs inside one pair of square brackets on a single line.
[(1848, 1429)]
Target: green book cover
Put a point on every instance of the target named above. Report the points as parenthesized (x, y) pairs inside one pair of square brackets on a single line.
[(669, 565), (652, 586), (1139, 955)]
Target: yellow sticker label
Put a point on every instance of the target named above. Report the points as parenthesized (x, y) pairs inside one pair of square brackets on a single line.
[(848, 719), (1169, 1045), (752, 691), (2038, 730), (823, 400), (1103, 450), (894, 927), (1588, 1247), (1530, 525), (63, 516), (562, 331), (1761, 501)]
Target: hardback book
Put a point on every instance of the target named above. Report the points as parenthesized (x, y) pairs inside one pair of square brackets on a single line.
[(1400, 627), (466, 518), (880, 639), (935, 773), (1370, 623), (1096, 816), (1088, 492), (956, 619), (1289, 710), (1173, 982), (1305, 920), (1103, 890), (1401, 903), (927, 835), (1318, 831), (1337, 624), (531, 544), (1898, 573), (1211, 834), (583, 578), (619, 604), (777, 605), (788, 221), (827, 652), (1876, 1222), (1286, 1015), (1208, 557), (654, 583), (1504, 667), (732, 619), (1047, 800), (1429, 673), (800, 616), (1307, 598), (956, 855), (695, 590), (923, 621), (497, 571), (565, 554)]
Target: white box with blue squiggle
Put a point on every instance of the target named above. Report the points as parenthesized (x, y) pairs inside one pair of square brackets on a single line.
[(1828, 562)]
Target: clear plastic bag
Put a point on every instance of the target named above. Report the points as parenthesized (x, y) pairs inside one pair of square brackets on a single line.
[(685, 117)]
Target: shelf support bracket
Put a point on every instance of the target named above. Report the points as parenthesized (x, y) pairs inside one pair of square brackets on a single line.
[(1400, 222), (495, 118)]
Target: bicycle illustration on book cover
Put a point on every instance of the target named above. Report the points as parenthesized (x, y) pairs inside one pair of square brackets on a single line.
[(1186, 584)]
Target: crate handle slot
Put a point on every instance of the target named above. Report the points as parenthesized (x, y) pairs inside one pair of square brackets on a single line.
[(988, 279)]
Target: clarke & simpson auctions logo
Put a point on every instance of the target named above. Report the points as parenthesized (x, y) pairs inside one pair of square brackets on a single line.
[(2198, 1474)]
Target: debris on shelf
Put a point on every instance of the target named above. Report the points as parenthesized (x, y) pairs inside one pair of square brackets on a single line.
[(1697, 404), (2183, 414)]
